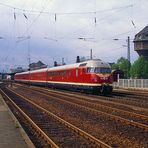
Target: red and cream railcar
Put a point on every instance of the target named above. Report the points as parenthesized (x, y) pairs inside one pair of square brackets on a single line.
[(94, 75)]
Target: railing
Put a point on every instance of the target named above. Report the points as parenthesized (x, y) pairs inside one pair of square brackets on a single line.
[(132, 83)]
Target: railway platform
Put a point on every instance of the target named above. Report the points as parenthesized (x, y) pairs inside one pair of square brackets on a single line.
[(10, 135)]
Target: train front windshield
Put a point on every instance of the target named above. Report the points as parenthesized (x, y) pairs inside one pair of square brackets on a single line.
[(97, 70)]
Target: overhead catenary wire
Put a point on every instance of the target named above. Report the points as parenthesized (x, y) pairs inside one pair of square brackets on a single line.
[(55, 14), (133, 23), (36, 18), (94, 18), (14, 14), (64, 13), (25, 15), (99, 21)]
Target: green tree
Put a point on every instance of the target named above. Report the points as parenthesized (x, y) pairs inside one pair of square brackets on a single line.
[(134, 70), (145, 69), (139, 68), (121, 60), (115, 66), (125, 67)]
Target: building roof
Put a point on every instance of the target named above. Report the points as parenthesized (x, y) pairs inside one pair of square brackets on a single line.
[(142, 35), (144, 30), (37, 65)]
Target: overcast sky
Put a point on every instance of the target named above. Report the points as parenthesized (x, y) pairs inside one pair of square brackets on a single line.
[(49, 30)]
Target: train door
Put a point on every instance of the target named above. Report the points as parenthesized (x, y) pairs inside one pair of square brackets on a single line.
[(81, 75), (77, 72)]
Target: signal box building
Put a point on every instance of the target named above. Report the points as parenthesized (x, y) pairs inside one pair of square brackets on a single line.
[(141, 42)]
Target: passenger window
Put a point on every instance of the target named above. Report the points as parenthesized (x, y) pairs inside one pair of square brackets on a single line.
[(91, 70)]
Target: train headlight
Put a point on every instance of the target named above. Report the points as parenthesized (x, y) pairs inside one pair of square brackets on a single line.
[(104, 78)]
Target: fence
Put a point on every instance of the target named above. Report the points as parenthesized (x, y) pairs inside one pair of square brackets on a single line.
[(132, 83)]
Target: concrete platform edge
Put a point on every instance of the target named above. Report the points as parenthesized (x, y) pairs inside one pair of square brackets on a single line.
[(23, 133)]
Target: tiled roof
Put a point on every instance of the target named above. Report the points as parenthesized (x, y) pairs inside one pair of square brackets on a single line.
[(144, 30)]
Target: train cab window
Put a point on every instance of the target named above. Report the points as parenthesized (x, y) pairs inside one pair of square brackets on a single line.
[(102, 70)]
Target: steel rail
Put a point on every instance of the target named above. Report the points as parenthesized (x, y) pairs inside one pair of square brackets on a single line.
[(132, 92), (82, 133), (86, 101), (129, 100), (103, 106), (37, 129), (131, 114), (96, 99), (116, 118)]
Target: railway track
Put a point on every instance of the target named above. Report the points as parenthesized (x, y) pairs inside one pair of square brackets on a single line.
[(97, 109), (60, 131), (94, 112), (137, 100), (129, 100), (34, 132), (135, 93), (116, 103)]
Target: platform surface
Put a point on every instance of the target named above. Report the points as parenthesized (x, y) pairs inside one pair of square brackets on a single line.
[(10, 136)]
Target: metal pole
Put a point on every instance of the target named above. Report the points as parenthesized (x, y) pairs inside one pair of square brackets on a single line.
[(128, 48), (29, 62), (128, 55), (62, 61), (91, 54)]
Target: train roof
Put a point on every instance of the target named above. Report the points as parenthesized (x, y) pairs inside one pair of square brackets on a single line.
[(89, 63)]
